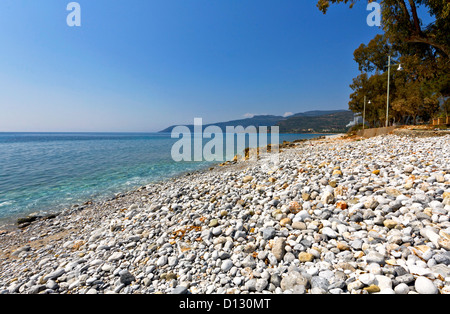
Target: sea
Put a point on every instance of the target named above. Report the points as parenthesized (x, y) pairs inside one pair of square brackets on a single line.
[(48, 172)]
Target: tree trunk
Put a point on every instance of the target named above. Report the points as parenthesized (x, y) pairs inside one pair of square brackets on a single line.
[(415, 17)]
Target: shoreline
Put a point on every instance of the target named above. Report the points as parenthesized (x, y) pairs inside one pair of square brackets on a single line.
[(22, 221), (12, 223), (311, 213)]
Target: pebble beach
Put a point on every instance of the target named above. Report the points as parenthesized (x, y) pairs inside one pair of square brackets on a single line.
[(335, 216)]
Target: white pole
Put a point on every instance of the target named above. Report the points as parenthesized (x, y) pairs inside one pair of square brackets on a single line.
[(389, 81), (364, 113)]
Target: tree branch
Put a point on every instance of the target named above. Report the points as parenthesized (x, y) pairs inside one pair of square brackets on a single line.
[(415, 17), (405, 9), (426, 40)]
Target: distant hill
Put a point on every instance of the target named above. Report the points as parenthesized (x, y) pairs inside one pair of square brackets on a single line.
[(299, 121), (328, 123), (256, 121), (316, 113)]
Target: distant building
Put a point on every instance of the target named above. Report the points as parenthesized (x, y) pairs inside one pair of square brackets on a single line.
[(357, 119)]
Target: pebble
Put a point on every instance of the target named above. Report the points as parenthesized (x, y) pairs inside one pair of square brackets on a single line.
[(372, 289), (335, 216), (115, 256), (293, 279), (424, 285), (269, 233), (368, 279), (305, 257), (226, 265), (278, 249), (402, 288), (126, 277), (330, 233), (162, 261), (375, 257), (180, 290), (261, 284)]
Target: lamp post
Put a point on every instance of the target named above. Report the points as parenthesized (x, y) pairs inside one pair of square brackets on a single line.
[(364, 112), (388, 87)]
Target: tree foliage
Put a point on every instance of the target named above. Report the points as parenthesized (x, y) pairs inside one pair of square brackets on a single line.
[(402, 23), (423, 50)]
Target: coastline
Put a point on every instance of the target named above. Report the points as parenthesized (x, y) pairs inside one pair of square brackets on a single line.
[(153, 231), (24, 220), (22, 197)]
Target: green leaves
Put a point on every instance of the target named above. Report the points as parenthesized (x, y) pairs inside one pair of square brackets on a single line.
[(401, 22), (423, 51)]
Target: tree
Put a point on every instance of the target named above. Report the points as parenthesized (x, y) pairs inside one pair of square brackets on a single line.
[(373, 88), (411, 101), (410, 93), (423, 52), (401, 22)]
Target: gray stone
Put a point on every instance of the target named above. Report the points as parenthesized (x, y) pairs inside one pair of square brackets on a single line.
[(441, 269), (275, 279), (226, 265), (442, 258), (320, 282), (240, 234), (36, 289), (180, 290), (375, 257), (54, 275), (250, 285), (261, 284), (302, 215), (51, 284), (249, 261), (293, 279), (406, 278), (356, 244), (299, 289), (289, 257), (217, 231), (269, 233), (371, 203), (126, 277), (115, 256)]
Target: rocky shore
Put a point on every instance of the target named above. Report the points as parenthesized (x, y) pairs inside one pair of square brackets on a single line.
[(335, 216)]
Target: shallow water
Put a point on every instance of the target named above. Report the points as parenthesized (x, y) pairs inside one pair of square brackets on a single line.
[(44, 172)]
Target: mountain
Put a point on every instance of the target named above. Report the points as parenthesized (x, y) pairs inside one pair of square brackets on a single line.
[(257, 121), (316, 113), (327, 123), (314, 121)]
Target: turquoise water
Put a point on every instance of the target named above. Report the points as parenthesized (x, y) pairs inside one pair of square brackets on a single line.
[(45, 172)]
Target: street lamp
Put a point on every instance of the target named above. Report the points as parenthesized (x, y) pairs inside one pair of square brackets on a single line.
[(388, 86), (364, 112)]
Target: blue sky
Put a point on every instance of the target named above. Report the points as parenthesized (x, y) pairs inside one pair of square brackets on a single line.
[(142, 65)]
